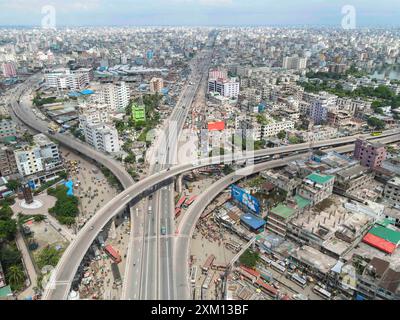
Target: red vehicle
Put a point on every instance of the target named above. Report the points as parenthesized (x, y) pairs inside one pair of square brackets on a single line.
[(114, 255), (180, 202), (190, 201), (178, 212)]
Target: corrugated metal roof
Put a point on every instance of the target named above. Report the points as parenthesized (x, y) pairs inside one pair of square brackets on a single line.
[(252, 221), (379, 243), (387, 234)]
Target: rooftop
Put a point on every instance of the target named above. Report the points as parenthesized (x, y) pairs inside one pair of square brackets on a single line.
[(283, 211), (319, 178)]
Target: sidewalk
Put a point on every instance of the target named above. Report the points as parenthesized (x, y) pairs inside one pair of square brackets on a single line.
[(29, 268)]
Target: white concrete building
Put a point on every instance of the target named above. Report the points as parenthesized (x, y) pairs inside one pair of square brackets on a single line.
[(294, 63), (66, 79), (115, 95), (225, 87), (102, 137), (42, 156)]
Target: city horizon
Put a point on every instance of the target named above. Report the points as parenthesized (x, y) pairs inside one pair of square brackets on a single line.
[(319, 13)]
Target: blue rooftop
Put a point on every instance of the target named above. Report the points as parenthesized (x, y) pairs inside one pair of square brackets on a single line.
[(86, 92), (252, 221)]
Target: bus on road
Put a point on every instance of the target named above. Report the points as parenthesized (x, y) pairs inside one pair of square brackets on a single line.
[(114, 255), (322, 292)]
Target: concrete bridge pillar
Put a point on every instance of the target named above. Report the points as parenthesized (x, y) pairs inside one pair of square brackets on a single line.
[(179, 183)]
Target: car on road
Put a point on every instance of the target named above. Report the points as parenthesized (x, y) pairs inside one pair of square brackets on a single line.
[(163, 230)]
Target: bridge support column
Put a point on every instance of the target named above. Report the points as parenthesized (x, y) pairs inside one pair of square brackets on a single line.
[(179, 183), (113, 232)]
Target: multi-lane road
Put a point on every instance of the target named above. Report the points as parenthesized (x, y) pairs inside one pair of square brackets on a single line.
[(150, 274)]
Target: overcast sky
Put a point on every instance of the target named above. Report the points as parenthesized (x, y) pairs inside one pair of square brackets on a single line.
[(200, 12)]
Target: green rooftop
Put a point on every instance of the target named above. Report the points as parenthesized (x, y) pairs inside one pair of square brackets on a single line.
[(319, 178), (301, 202), (386, 233), (283, 211)]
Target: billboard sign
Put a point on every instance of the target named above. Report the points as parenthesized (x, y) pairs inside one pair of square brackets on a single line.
[(243, 197)]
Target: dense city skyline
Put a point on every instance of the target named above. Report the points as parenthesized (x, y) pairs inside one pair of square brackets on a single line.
[(199, 12)]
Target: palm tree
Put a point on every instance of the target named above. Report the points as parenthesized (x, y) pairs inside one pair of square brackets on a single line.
[(16, 276)]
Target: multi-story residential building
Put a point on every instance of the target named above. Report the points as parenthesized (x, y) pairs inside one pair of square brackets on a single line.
[(93, 113), (48, 150), (8, 165), (316, 187), (318, 133), (353, 178), (258, 131), (115, 95), (319, 109), (9, 69), (370, 154), (294, 62), (218, 74), (225, 87), (66, 79), (278, 219), (102, 137), (274, 127), (392, 191), (379, 281), (28, 160), (338, 68), (43, 155), (7, 128), (156, 84), (282, 181)]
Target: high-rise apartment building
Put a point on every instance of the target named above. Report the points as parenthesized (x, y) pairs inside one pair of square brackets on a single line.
[(294, 63), (156, 84), (9, 69), (102, 137)]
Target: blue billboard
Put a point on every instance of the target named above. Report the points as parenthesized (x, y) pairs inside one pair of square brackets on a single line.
[(243, 197)]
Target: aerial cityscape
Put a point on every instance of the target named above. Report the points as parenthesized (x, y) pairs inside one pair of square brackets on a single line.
[(199, 150)]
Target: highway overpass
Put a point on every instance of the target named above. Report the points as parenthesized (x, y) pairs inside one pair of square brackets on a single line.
[(75, 252), (187, 225)]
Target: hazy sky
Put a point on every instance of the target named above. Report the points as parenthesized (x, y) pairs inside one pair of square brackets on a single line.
[(200, 12)]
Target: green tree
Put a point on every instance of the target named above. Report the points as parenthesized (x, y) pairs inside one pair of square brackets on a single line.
[(249, 258), (281, 134), (16, 277), (376, 123), (49, 256), (130, 158), (6, 212), (13, 185), (8, 229)]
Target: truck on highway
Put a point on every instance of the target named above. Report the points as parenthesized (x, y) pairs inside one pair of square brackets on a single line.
[(163, 230)]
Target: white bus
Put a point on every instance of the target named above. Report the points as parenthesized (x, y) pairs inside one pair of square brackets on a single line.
[(299, 280), (278, 267), (322, 292), (193, 274), (266, 260)]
